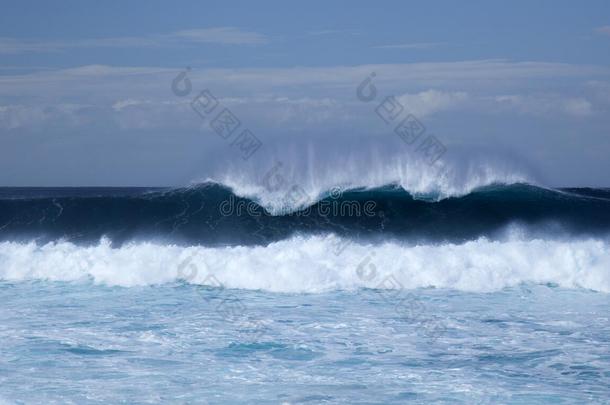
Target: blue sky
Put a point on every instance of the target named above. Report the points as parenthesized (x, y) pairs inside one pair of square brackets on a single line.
[(85, 93)]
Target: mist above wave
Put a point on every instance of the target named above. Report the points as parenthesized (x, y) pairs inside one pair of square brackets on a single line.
[(300, 178)]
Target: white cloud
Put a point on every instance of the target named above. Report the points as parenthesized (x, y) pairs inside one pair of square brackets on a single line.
[(390, 78), (415, 45), (11, 45), (431, 101), (330, 32), (36, 116), (600, 91), (577, 106), (603, 30), (122, 104), (546, 104), (222, 35), (300, 95), (215, 35), (132, 113)]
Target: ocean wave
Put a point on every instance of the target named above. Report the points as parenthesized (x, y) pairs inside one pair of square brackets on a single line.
[(318, 264), (212, 214)]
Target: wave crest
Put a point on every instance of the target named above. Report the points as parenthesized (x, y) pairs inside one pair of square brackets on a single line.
[(449, 177)]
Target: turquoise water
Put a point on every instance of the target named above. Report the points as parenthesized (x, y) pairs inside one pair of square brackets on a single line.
[(78, 342)]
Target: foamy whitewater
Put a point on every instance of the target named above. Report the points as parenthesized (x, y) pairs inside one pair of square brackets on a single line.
[(480, 265), (387, 290)]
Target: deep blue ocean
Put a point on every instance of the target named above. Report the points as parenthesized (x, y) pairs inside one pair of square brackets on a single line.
[(364, 296)]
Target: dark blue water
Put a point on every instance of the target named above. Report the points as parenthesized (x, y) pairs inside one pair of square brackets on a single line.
[(212, 215)]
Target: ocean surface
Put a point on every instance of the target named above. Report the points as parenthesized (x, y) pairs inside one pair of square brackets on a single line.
[(205, 294)]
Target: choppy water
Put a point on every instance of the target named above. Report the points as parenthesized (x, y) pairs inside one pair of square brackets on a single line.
[(84, 343)]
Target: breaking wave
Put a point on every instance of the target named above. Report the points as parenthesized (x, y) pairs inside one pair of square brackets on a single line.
[(315, 179), (318, 264)]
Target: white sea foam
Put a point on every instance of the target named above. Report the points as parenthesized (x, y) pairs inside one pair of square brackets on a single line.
[(311, 264)]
